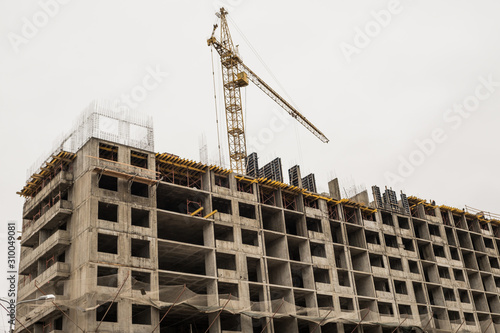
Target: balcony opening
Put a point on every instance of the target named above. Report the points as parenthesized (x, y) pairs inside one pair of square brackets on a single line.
[(107, 211), (419, 293), (249, 237), (221, 180), (493, 262), (107, 276), (107, 243), (139, 159), (141, 280), (139, 248), (108, 183), (464, 296), (488, 242), (400, 287), (58, 323), (221, 205), (314, 224), (294, 249), (139, 189), (108, 152), (230, 322), (226, 261), (112, 314), (244, 186), (450, 237), (140, 217), (246, 210), (340, 258), (141, 314)]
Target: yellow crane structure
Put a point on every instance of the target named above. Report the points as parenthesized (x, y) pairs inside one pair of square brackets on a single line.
[(235, 74)]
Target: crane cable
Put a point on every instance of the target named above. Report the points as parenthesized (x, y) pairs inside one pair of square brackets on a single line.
[(215, 101), (297, 137)]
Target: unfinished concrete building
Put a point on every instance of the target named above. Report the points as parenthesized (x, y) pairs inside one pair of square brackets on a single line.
[(134, 241)]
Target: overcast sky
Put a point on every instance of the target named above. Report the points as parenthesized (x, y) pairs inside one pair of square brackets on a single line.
[(408, 92)]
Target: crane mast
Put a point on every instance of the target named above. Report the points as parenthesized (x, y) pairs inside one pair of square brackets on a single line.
[(235, 74)]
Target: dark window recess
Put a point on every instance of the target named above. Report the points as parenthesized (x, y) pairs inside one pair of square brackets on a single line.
[(488, 242), (246, 210), (139, 159), (61, 257), (321, 275), (439, 251), (318, 250), (376, 260), (107, 276), (408, 244), (221, 205), (58, 323), (454, 253), (141, 280), (139, 248), (444, 272), (469, 319), (253, 269), (372, 237), (223, 233), (111, 315), (249, 237), (108, 183), (108, 152), (403, 223), (493, 262), (346, 304), (343, 278), (395, 263), (400, 287), (314, 224), (324, 301), (459, 274), (387, 219), (221, 180), (413, 266), (139, 189), (107, 211), (140, 217), (434, 230), (464, 296), (385, 309), (141, 314), (404, 310), (107, 243), (226, 261), (381, 284), (391, 241), (449, 295)]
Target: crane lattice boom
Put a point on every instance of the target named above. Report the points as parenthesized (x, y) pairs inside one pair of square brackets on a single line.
[(235, 74)]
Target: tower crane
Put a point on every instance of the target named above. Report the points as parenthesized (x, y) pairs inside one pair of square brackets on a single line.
[(235, 75)]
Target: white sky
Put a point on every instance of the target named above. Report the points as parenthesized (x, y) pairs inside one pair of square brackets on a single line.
[(394, 92)]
